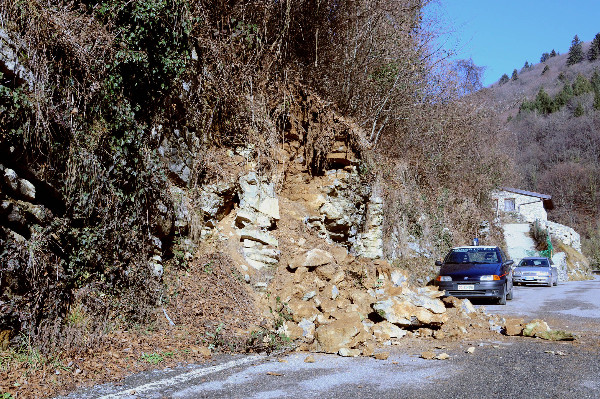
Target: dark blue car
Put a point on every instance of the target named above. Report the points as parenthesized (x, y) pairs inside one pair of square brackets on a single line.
[(476, 272)]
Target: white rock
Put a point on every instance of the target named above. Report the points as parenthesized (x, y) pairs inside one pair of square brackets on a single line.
[(314, 257), (309, 295), (345, 352), (467, 306), (269, 206), (156, 269), (334, 292), (11, 179), (260, 236), (397, 278), (27, 189), (433, 304), (308, 328)]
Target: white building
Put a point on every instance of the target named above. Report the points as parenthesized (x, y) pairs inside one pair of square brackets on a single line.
[(528, 205), (531, 206)]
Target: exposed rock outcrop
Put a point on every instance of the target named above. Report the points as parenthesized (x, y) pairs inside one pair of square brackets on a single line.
[(256, 217), (350, 215), (10, 65)]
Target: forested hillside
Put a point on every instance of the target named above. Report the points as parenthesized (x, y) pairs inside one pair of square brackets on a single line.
[(552, 110)]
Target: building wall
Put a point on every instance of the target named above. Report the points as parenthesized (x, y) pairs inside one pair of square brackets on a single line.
[(530, 208)]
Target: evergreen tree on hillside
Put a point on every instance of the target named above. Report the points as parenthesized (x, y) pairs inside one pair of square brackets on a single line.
[(563, 97), (546, 69), (581, 85), (594, 50), (526, 66), (543, 102), (595, 81), (515, 75), (575, 52), (553, 53), (504, 79), (544, 57)]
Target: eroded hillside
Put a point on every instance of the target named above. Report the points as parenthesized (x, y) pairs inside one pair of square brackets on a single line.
[(201, 170)]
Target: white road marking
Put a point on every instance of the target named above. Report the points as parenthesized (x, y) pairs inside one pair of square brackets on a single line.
[(179, 379)]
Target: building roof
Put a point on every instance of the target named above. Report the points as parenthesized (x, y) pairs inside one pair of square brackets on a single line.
[(547, 199), (529, 193)]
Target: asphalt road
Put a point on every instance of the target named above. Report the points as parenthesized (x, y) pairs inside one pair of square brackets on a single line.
[(574, 305), (509, 367)]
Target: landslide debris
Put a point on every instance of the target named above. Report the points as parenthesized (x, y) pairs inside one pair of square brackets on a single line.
[(352, 306)]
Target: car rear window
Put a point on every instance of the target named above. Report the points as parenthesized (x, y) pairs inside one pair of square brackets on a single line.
[(472, 255), (534, 263)]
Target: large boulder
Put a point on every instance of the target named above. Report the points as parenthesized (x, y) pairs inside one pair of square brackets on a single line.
[(215, 202), (312, 258), (338, 334), (402, 312)]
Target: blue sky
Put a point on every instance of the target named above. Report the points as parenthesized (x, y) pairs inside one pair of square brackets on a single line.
[(502, 34)]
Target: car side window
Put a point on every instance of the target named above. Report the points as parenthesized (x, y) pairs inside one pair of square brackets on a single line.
[(501, 256)]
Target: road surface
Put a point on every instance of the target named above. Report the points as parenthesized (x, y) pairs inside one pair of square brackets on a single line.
[(509, 367)]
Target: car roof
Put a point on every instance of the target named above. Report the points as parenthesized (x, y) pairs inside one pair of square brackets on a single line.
[(535, 257), (476, 246)]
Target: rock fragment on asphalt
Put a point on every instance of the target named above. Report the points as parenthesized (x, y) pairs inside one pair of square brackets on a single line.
[(381, 355), (555, 335), (513, 326), (534, 327)]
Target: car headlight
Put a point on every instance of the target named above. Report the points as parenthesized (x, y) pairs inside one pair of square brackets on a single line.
[(517, 273), (543, 274), (489, 277), (444, 278)]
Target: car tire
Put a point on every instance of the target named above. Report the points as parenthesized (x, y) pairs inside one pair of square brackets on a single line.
[(502, 299), (556, 282), (549, 283), (509, 295)]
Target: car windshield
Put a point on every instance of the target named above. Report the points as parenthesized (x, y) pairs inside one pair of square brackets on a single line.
[(472, 255), (534, 263)]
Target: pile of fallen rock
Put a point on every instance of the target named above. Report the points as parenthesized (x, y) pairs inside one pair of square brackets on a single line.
[(535, 328), (350, 306)]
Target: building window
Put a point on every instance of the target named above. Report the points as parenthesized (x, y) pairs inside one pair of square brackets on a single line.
[(509, 205)]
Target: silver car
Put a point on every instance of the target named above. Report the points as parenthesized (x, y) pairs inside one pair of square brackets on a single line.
[(535, 270)]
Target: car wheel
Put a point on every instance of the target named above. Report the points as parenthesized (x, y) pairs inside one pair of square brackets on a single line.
[(549, 284), (509, 295), (556, 282), (502, 299)]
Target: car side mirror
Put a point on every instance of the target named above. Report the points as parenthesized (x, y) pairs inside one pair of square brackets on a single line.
[(509, 262), (438, 263)]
